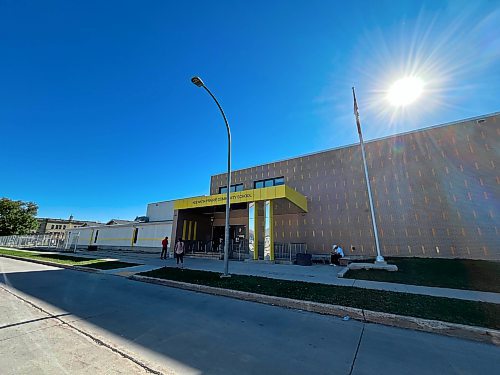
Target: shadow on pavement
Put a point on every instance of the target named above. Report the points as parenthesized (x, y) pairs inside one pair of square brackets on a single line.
[(33, 320), (192, 332)]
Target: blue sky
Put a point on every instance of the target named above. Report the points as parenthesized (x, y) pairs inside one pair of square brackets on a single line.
[(98, 116)]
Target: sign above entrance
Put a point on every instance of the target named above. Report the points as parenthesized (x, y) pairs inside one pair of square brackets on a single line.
[(253, 195)]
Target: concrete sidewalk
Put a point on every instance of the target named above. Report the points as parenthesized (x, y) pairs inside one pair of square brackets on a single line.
[(323, 274), (36, 342)]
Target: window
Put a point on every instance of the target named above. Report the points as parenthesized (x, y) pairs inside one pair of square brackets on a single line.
[(64, 226), (279, 181), (237, 187), (269, 182), (52, 226)]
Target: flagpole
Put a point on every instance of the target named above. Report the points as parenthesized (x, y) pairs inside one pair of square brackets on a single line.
[(380, 258)]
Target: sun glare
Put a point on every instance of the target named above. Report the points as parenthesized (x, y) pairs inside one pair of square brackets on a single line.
[(405, 91)]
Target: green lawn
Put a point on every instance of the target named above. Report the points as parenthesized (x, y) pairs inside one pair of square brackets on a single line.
[(67, 259), (447, 273), (444, 309)]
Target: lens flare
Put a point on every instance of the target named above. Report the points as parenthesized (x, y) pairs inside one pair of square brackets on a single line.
[(405, 91)]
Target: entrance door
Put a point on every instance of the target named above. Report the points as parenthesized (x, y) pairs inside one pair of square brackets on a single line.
[(237, 233), (218, 239)]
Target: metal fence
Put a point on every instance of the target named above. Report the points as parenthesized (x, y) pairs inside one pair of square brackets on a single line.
[(240, 250), (35, 241), (192, 247), (237, 250), (288, 251)]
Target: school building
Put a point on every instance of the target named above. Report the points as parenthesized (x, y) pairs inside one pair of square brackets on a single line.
[(436, 193)]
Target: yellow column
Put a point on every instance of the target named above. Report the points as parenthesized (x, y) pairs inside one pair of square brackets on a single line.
[(189, 230), (268, 231), (184, 230)]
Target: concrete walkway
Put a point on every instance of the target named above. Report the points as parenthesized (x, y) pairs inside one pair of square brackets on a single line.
[(323, 274)]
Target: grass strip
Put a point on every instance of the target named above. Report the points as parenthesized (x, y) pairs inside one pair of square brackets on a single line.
[(67, 259), (445, 273), (445, 309)]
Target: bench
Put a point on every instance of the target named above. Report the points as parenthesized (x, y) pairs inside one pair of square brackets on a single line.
[(326, 259), (345, 261)]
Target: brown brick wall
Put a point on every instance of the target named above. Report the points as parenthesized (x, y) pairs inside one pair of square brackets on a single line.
[(436, 193)]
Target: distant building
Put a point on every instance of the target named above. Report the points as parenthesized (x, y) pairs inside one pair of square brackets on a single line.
[(58, 227), (143, 234), (118, 221)]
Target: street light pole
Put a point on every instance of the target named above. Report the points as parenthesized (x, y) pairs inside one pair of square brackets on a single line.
[(198, 82), (380, 258)]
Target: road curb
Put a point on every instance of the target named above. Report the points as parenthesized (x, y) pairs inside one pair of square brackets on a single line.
[(480, 334), (46, 263)]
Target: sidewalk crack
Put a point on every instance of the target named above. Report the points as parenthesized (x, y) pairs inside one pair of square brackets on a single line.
[(357, 349)]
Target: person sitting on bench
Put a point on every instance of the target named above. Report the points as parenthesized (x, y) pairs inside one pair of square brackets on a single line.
[(337, 253)]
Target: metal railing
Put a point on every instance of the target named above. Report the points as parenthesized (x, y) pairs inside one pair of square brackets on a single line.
[(192, 247), (237, 250), (288, 251), (48, 241), (240, 250)]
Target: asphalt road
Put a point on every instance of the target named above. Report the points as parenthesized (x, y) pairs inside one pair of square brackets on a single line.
[(167, 329)]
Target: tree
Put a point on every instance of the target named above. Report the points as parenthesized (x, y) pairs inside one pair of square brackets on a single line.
[(17, 217)]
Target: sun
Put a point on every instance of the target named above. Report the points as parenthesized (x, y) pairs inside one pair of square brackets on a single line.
[(405, 91)]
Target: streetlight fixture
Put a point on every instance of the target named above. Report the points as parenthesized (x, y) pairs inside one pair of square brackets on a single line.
[(199, 83)]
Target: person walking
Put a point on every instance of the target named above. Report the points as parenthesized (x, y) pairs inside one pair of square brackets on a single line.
[(179, 252), (164, 248)]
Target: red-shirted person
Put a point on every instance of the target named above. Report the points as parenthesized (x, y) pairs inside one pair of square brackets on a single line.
[(164, 246)]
